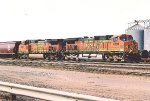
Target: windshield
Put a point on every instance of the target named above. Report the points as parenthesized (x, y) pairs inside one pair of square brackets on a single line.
[(130, 38), (126, 38), (123, 38)]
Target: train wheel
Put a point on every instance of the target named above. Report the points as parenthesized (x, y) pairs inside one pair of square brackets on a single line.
[(52, 57), (45, 56), (19, 57), (49, 57), (26, 56), (137, 58), (103, 57), (63, 57), (130, 58)]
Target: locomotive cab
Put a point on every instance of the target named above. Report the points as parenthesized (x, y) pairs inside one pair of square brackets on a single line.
[(129, 44), (56, 44), (125, 43), (125, 37), (123, 47), (24, 49), (71, 48), (131, 52)]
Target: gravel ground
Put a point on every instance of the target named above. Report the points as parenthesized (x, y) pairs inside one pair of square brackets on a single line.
[(122, 87)]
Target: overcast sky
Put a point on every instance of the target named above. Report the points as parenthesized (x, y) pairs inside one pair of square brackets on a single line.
[(46, 19)]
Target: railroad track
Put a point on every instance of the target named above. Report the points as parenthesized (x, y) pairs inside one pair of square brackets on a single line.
[(139, 69), (77, 62)]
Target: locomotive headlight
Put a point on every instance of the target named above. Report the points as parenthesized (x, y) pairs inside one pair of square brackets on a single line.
[(121, 50), (126, 46), (121, 47)]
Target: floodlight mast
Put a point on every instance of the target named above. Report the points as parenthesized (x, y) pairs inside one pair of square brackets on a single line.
[(145, 23)]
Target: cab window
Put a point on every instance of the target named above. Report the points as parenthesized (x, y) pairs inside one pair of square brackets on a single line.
[(123, 38), (130, 38), (126, 38), (115, 39)]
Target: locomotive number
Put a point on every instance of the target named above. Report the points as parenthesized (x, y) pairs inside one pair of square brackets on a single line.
[(115, 44)]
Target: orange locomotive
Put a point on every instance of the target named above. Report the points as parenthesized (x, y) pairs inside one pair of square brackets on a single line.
[(112, 48), (46, 49)]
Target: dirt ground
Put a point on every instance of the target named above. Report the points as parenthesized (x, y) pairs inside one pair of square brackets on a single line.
[(120, 87)]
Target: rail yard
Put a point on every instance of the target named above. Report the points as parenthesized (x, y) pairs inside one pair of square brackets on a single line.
[(74, 50), (110, 66), (120, 81)]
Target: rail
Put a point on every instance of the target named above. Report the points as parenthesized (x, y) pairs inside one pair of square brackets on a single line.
[(46, 94)]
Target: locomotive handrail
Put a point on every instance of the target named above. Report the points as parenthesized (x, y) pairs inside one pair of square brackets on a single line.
[(46, 94)]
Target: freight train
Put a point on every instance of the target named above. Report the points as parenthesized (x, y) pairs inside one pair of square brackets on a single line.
[(107, 48)]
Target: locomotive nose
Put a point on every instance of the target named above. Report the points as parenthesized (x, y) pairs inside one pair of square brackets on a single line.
[(133, 47)]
